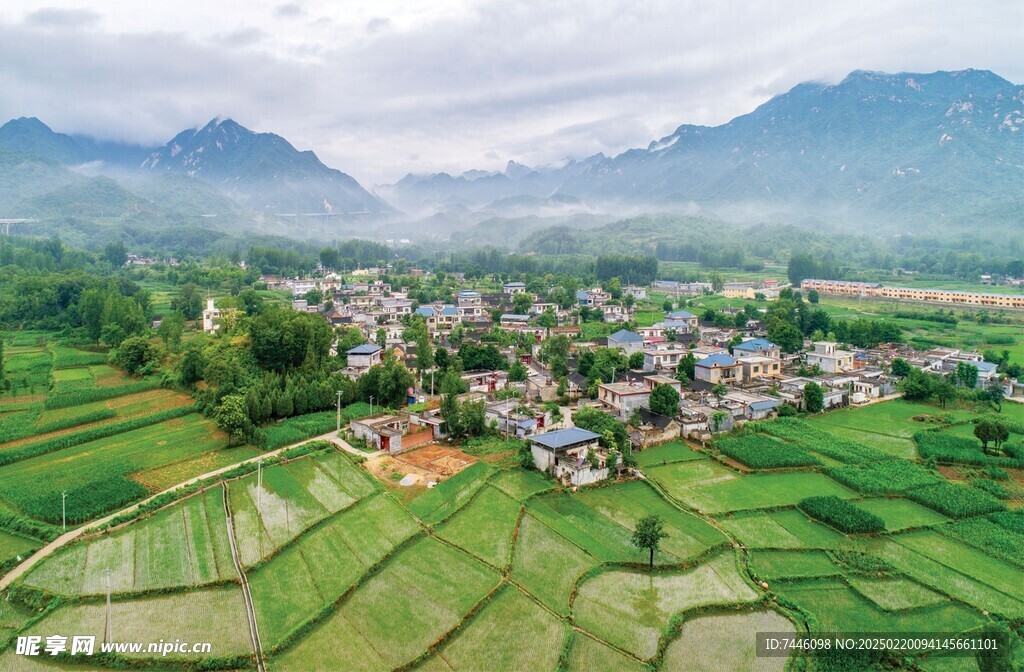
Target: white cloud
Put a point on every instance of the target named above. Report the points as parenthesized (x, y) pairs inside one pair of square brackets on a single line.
[(465, 83)]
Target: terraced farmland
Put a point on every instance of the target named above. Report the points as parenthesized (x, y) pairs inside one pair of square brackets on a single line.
[(502, 569)]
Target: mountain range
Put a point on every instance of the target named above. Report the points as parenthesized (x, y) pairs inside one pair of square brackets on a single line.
[(222, 167), (940, 148), (876, 151)]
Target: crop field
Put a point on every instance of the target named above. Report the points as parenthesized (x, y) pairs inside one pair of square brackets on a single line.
[(673, 451), (792, 564), (499, 568), (840, 607), (449, 495), (216, 615), (182, 545), (918, 565), (630, 610), (511, 633), (267, 519), (727, 639), (688, 535), (894, 594), (900, 514), (520, 484), (28, 371), (484, 527), (758, 491), (312, 573), (595, 533), (787, 529), (427, 588), (105, 474), (38, 424), (589, 655), (547, 564)]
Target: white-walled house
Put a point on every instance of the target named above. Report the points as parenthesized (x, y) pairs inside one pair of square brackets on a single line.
[(566, 453)]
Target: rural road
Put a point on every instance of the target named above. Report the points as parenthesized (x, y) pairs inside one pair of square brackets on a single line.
[(71, 535)]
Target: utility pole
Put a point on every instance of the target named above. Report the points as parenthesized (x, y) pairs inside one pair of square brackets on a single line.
[(339, 411), (110, 623), (64, 510)]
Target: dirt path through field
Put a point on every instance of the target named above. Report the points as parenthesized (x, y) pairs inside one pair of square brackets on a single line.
[(250, 613)]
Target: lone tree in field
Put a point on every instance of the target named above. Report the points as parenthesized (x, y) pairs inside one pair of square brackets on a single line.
[(649, 533)]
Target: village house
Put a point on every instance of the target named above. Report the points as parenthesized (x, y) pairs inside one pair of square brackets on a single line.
[(593, 298), (759, 347), (755, 367), (637, 292), (613, 312), (652, 429), (829, 359), (681, 321), (623, 398), (210, 317), (718, 368), (663, 356), (514, 321), (629, 341), (364, 356), (513, 288), (383, 431), (573, 456)]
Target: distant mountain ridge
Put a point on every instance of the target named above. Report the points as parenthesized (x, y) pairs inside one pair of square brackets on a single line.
[(262, 171), (899, 149), (259, 171)]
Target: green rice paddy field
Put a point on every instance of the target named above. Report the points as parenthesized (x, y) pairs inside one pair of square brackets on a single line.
[(501, 569)]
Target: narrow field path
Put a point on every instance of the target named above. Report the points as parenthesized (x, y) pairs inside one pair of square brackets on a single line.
[(250, 613), (73, 534)]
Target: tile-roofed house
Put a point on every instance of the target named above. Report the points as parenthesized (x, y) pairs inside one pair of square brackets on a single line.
[(757, 346), (630, 341), (717, 368), (364, 356)]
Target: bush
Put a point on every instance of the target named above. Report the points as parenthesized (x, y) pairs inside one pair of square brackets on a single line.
[(841, 514), (861, 562), (955, 501), (887, 477), (762, 452)]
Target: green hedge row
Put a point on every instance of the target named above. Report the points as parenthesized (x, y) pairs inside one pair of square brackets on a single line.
[(952, 449), (89, 395), (87, 435), (990, 537), (301, 427), (12, 522), (956, 501), (886, 477), (819, 441), (763, 452), (841, 514)]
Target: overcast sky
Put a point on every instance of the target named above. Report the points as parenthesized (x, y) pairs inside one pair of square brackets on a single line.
[(382, 88)]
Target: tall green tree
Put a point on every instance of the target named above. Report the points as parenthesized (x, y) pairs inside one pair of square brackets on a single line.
[(665, 400), (814, 397), (649, 532), (232, 416)]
